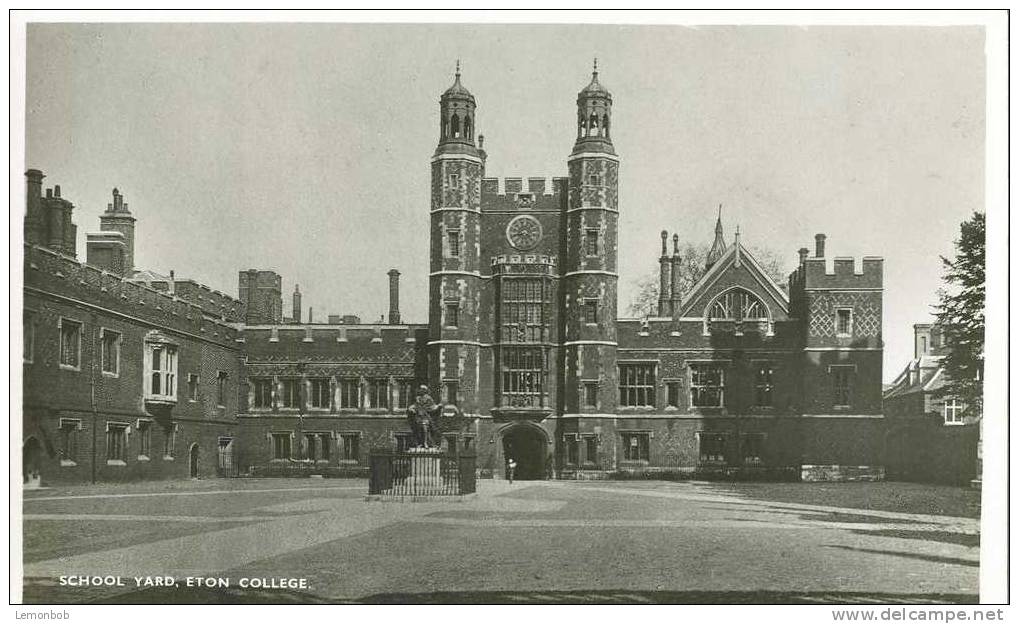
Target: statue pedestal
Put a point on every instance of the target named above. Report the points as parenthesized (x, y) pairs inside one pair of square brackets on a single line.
[(425, 475)]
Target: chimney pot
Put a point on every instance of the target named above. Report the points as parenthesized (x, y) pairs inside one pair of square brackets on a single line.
[(49, 193), (819, 245), (56, 190)]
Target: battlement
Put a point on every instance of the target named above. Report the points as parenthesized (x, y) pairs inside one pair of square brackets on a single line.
[(62, 275), (330, 339), (212, 301), (843, 272), (523, 193)]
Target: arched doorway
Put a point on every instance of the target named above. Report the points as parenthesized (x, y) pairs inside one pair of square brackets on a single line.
[(193, 461), (31, 463), (526, 445)]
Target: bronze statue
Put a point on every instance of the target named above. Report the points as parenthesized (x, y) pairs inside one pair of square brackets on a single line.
[(423, 417)]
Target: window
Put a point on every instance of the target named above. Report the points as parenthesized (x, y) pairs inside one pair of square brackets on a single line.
[(350, 446), (450, 389), (321, 396), (591, 449), (110, 352), (404, 393), (468, 443), (378, 392), (116, 443), (738, 305), (192, 387), (522, 310), (262, 390), (672, 392), (162, 364), (453, 238), (281, 445), (454, 181), (144, 439), (221, 378), (763, 384), (290, 393), (70, 344), (170, 441), (590, 311), (28, 334), (452, 442), (594, 179), (953, 412), (752, 448), (712, 447), (637, 385), (844, 321), (69, 441), (349, 393), (452, 315), (572, 450), (841, 385), (707, 385), (318, 446), (591, 394), (591, 242), (636, 446), (523, 376)]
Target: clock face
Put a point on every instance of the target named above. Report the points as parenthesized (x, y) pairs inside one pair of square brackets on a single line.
[(524, 232)]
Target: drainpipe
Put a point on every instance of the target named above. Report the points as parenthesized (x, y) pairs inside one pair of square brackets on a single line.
[(92, 391)]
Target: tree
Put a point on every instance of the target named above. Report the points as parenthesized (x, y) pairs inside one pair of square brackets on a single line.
[(960, 313), (692, 268)]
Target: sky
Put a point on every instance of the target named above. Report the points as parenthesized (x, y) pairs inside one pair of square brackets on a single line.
[(304, 148)]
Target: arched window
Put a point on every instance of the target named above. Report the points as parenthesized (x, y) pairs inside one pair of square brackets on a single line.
[(593, 125), (580, 126), (445, 128), (605, 125), (738, 305), (467, 127), (454, 124)]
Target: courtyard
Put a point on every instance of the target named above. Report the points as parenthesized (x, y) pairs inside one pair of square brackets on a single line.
[(318, 541)]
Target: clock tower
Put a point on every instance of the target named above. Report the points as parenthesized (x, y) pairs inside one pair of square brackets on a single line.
[(455, 255)]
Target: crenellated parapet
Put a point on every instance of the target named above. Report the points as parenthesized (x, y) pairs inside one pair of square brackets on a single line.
[(539, 193), (212, 301), (843, 272), (61, 276)]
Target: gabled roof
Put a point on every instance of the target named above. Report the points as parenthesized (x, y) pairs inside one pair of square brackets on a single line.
[(736, 255)]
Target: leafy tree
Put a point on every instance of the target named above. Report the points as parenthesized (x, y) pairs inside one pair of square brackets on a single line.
[(960, 313), (645, 301)]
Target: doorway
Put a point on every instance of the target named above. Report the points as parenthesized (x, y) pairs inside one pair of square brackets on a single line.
[(527, 446), (193, 461), (31, 464)]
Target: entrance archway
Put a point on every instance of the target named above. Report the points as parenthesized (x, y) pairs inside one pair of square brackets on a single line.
[(193, 460), (528, 446), (31, 463)]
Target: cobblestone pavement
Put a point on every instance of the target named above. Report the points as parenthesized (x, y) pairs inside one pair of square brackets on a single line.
[(539, 542)]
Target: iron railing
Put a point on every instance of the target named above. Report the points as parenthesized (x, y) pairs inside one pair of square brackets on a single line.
[(400, 474)]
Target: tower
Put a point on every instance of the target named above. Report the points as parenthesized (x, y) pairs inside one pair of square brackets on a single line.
[(455, 255), (589, 271)]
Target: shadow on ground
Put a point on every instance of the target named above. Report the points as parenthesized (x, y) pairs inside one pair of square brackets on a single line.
[(247, 596)]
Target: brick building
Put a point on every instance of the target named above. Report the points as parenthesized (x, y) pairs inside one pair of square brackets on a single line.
[(931, 437), (738, 374)]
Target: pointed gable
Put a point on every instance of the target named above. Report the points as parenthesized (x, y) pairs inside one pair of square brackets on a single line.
[(737, 268)]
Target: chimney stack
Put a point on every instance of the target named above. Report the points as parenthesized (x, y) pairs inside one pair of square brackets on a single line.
[(664, 277), (297, 304), (310, 315), (819, 245), (394, 297), (803, 254), (675, 290), (56, 191)]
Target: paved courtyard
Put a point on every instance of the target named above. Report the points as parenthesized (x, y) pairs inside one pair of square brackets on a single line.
[(528, 542)]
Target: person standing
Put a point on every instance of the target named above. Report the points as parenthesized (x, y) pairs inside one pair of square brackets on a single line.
[(511, 468)]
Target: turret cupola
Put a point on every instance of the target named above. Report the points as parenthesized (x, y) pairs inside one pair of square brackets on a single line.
[(456, 119), (594, 117)]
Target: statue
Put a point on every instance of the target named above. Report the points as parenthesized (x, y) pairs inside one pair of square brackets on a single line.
[(423, 417)]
